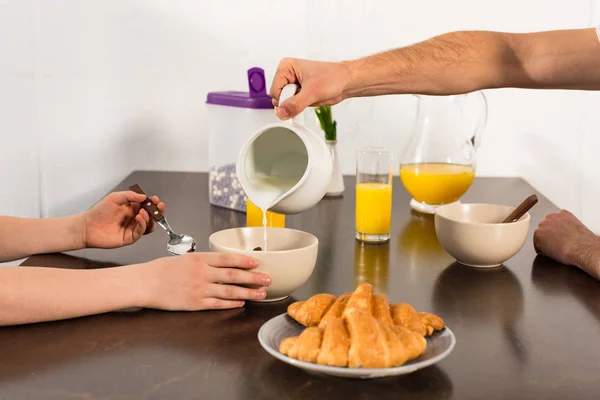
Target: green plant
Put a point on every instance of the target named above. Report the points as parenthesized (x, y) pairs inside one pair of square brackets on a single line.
[(327, 123)]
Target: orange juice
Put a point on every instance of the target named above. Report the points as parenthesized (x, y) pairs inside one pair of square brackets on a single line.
[(436, 183), (254, 217), (373, 208)]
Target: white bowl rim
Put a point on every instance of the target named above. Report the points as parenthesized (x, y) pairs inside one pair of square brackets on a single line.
[(255, 253), (524, 220)]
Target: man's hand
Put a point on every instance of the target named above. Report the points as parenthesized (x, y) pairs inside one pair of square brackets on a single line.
[(118, 220), (562, 237), (321, 84)]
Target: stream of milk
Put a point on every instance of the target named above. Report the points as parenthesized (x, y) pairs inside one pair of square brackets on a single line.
[(264, 193)]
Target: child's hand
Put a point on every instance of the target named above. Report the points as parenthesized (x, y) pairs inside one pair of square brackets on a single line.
[(200, 281), (118, 220)]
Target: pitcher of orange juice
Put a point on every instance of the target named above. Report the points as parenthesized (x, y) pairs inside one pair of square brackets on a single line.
[(438, 166)]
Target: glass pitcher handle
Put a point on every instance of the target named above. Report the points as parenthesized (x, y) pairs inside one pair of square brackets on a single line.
[(481, 122)]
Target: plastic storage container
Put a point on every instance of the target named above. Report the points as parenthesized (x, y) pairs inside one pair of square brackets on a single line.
[(233, 117)]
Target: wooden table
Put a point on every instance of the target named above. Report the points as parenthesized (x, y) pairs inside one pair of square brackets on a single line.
[(524, 331)]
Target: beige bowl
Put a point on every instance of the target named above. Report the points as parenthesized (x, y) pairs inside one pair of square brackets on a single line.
[(289, 261), (474, 236)]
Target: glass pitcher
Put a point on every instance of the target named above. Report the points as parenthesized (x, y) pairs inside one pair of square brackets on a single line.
[(438, 166)]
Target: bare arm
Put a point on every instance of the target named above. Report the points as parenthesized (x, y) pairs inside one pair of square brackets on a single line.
[(195, 281), (562, 237), (22, 237), (35, 294), (116, 220), (456, 62), (588, 257), (461, 62)]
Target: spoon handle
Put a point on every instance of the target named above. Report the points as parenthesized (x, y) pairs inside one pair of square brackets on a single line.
[(147, 204), (521, 209)]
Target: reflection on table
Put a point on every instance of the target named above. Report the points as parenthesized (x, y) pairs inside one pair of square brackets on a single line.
[(490, 303), (419, 245), (371, 265)]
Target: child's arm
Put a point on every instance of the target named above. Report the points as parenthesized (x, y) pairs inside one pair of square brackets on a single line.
[(195, 281), (22, 237), (116, 220), (35, 294)]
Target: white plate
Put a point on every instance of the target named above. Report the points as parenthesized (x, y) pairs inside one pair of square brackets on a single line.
[(272, 333)]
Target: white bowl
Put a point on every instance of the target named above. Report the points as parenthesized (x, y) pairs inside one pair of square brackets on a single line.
[(289, 261), (474, 235)]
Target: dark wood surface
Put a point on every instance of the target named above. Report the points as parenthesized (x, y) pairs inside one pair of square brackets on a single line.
[(527, 330)]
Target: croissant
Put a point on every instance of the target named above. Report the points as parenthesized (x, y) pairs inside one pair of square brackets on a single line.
[(363, 335), (320, 309)]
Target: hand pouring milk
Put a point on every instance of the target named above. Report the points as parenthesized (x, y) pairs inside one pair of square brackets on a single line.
[(284, 167)]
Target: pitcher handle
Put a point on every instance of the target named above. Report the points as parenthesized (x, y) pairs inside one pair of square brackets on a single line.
[(287, 92), (481, 123)]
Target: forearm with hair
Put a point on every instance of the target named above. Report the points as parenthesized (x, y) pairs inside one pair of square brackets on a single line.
[(462, 62), (457, 62), (587, 257)]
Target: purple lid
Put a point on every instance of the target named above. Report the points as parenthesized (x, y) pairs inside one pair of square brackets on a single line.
[(256, 97)]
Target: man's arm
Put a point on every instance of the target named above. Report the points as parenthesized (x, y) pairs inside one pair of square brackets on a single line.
[(22, 237), (453, 63), (462, 62)]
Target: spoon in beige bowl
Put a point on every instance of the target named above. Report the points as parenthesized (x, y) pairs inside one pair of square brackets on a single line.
[(521, 209)]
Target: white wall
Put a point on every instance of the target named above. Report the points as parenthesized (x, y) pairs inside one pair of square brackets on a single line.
[(19, 151), (91, 89)]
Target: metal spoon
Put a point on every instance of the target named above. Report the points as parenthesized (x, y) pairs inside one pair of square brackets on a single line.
[(177, 244)]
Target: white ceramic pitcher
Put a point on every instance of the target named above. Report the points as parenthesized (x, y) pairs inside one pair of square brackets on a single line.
[(287, 149)]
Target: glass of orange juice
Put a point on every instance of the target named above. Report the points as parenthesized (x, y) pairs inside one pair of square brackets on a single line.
[(373, 194), (254, 217)]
